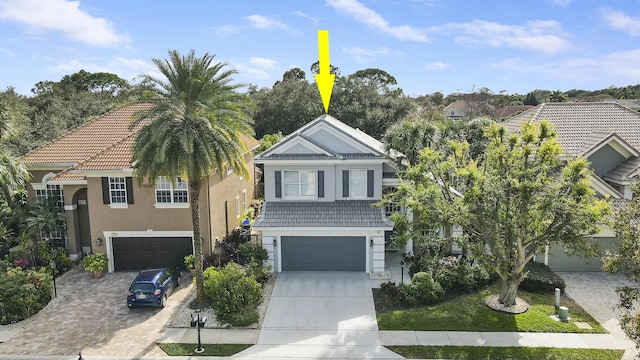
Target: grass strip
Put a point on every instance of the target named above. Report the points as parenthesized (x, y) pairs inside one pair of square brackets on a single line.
[(470, 313), (175, 349), (488, 353)]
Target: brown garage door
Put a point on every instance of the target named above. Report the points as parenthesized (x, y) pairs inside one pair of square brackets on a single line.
[(134, 253)]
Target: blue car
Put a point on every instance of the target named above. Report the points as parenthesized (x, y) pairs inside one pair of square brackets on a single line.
[(152, 287)]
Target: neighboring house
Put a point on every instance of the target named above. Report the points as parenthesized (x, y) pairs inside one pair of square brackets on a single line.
[(506, 112), (89, 170), (321, 183), (608, 136), (457, 109)]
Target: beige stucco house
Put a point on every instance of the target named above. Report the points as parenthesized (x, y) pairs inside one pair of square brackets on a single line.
[(89, 170)]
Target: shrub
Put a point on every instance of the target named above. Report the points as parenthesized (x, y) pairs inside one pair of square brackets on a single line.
[(249, 252), (539, 278), (95, 262), (232, 293), (424, 289), (189, 261), (392, 294), (23, 292)]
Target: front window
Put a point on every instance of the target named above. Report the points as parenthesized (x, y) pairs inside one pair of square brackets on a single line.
[(51, 191), (118, 190), (357, 184), (300, 184), (171, 193)]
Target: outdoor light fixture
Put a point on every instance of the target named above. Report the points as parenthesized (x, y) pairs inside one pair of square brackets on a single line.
[(99, 241), (371, 242), (197, 321), (275, 242)]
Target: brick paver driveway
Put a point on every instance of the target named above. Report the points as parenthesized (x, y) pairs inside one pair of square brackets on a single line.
[(91, 315)]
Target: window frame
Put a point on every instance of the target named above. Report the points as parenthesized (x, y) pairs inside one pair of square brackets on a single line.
[(299, 196), (172, 190), (352, 184), (118, 181)]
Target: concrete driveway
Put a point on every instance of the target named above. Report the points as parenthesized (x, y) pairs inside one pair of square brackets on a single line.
[(91, 316), (320, 315)]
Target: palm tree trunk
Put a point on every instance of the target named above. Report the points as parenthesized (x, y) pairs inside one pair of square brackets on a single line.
[(194, 194)]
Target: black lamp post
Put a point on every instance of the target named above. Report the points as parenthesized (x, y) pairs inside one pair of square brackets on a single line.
[(197, 321), (53, 275)]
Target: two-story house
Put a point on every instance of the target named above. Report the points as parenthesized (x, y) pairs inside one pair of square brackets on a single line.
[(320, 184), (89, 171), (608, 136)]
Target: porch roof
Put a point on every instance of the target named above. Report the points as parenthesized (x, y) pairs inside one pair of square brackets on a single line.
[(314, 214)]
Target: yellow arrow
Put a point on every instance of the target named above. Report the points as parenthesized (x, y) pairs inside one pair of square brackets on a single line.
[(324, 79)]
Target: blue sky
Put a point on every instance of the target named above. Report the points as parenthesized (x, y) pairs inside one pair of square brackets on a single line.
[(427, 45)]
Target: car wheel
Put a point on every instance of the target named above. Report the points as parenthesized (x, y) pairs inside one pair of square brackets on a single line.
[(163, 302)]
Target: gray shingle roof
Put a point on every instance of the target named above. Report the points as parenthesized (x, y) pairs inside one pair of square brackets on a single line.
[(348, 213), (624, 171), (578, 124)]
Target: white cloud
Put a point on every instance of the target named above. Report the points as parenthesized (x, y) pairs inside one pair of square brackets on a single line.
[(123, 67), (437, 65), (615, 68), (363, 14), (306, 16), (537, 35), (62, 16), (561, 2), (425, 3), (621, 21), (264, 23), (364, 55), (257, 68), (7, 52), (225, 30)]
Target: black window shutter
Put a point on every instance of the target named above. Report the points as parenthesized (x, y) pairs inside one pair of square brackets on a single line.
[(369, 183), (320, 183), (278, 184), (345, 183), (105, 191), (129, 185)]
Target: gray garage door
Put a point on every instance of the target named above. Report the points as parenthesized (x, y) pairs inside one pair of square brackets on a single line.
[(324, 253), (560, 261), (131, 253)]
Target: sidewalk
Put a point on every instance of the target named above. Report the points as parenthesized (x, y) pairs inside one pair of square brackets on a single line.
[(422, 338)]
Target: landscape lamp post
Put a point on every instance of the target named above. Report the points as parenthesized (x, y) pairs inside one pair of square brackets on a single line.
[(197, 321), (53, 275)]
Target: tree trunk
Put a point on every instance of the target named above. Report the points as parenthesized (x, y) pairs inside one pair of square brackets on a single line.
[(194, 194), (509, 289)]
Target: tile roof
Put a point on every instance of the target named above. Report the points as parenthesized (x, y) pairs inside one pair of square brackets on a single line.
[(347, 213), (101, 144), (87, 140), (625, 171), (579, 124), (509, 110)]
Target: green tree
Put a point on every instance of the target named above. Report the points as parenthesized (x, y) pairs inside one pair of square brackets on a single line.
[(198, 123), (624, 260), (531, 99), (512, 202)]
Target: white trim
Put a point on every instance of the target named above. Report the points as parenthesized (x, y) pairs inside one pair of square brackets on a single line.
[(107, 173), (119, 206), (70, 207), (171, 205), (323, 161), (290, 142), (108, 235), (300, 197), (322, 229), (617, 143), (340, 134), (68, 182), (42, 185)]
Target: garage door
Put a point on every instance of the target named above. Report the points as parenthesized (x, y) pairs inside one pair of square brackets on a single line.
[(324, 253), (134, 253), (560, 261)]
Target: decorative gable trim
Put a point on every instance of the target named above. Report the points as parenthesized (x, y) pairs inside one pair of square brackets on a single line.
[(603, 188), (347, 138), (296, 139), (616, 142)]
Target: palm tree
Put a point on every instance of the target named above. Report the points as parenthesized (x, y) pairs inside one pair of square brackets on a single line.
[(45, 218), (197, 121)]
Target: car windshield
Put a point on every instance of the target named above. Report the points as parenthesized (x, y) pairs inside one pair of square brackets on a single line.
[(142, 287)]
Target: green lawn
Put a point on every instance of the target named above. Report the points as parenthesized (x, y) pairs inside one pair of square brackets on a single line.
[(469, 313), (520, 353), (209, 349)]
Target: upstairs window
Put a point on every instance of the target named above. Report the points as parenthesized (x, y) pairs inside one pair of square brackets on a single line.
[(299, 184), (51, 191), (171, 193), (117, 190), (357, 184)]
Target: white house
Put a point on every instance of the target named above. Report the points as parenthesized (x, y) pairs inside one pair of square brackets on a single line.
[(321, 183)]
